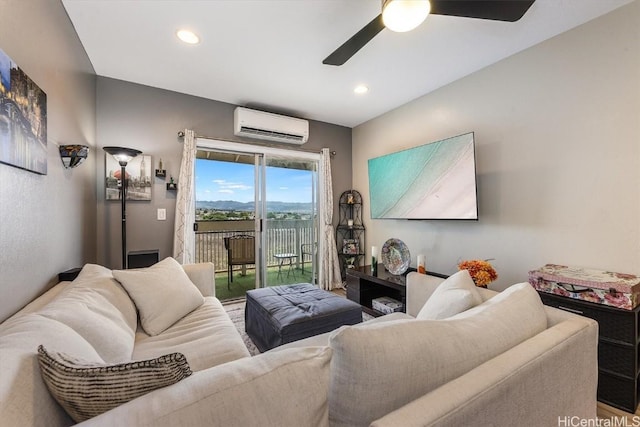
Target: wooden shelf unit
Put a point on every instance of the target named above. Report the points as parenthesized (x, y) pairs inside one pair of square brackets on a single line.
[(363, 287)]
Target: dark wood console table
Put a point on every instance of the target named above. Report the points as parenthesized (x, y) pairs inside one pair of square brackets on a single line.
[(362, 287)]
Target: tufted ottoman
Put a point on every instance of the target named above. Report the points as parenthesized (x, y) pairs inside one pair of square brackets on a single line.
[(281, 314)]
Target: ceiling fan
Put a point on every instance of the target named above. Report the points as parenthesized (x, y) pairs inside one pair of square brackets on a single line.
[(416, 11)]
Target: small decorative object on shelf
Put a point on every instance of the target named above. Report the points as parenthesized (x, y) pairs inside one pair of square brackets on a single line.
[(171, 185), (422, 264), (374, 260), (395, 256), (348, 262), (480, 270), (349, 198), (386, 305), (350, 246), (160, 172)]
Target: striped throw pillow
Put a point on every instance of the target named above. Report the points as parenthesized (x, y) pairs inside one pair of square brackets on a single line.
[(86, 389)]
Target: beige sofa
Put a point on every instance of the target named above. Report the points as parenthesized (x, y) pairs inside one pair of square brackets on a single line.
[(398, 371), (475, 370)]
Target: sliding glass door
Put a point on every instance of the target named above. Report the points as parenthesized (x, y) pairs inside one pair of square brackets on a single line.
[(290, 220), (266, 198)]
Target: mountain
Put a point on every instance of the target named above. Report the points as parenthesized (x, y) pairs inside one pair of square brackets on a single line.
[(232, 205)]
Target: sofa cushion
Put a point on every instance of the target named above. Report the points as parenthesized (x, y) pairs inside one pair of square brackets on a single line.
[(100, 279), (387, 365), (86, 389), (285, 388), (24, 398), (97, 307), (98, 321), (206, 337), (162, 293), (455, 295)]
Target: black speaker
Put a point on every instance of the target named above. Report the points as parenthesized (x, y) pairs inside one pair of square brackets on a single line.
[(140, 259)]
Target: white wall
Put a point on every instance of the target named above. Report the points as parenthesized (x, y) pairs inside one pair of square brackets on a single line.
[(557, 132), (47, 222), (148, 119)]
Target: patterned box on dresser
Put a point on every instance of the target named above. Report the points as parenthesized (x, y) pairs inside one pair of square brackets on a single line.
[(602, 287)]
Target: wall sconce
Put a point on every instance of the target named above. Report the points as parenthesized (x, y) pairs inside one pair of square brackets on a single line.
[(73, 155)]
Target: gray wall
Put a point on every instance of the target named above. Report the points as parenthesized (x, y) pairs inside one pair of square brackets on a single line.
[(47, 222), (148, 119), (558, 155)]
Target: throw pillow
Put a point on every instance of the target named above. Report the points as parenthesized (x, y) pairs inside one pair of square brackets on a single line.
[(86, 389), (455, 295), (162, 293)]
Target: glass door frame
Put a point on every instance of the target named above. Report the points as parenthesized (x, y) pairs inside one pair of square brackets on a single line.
[(262, 153)]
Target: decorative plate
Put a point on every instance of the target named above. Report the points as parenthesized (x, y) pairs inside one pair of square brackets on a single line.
[(395, 256)]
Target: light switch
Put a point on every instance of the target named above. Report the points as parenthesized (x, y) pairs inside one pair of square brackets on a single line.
[(162, 214)]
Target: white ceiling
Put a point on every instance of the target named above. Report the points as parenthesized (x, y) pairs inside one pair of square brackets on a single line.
[(268, 54)]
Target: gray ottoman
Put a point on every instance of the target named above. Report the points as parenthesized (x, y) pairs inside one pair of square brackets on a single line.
[(281, 314)]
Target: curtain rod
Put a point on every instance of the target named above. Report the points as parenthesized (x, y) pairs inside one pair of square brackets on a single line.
[(181, 135)]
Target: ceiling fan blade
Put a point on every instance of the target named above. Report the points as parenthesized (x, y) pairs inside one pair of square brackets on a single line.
[(355, 43), (497, 10)]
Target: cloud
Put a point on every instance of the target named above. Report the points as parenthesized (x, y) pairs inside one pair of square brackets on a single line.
[(226, 191), (226, 185), (238, 186), (283, 188)]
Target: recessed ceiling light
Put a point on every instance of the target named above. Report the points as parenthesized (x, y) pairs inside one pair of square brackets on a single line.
[(361, 89), (188, 36)]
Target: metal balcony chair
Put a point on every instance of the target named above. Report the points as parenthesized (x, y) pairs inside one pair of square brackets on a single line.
[(240, 251), (309, 249)]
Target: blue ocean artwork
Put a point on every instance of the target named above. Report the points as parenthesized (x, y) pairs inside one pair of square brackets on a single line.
[(432, 181)]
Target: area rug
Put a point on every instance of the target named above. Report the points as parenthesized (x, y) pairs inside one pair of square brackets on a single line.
[(236, 313)]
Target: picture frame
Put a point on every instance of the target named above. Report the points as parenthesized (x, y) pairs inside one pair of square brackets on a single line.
[(350, 246), (23, 119), (138, 174)]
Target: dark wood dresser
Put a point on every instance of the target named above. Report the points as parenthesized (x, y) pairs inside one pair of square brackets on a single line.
[(618, 357)]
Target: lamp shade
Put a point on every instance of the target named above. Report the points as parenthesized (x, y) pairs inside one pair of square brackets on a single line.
[(73, 155), (121, 154), (404, 15)]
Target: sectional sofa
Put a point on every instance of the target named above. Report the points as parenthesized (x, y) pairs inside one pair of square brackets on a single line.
[(500, 360)]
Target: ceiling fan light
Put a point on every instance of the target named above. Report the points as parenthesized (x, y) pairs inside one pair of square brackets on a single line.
[(188, 37), (404, 15)]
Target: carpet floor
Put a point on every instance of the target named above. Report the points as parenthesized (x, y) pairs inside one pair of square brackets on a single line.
[(236, 313)]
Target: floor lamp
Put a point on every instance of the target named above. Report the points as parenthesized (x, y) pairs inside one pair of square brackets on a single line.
[(123, 156)]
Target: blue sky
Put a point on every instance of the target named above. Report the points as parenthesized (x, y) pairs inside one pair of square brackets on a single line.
[(217, 180)]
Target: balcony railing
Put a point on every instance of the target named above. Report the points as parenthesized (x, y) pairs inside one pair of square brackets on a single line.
[(283, 236)]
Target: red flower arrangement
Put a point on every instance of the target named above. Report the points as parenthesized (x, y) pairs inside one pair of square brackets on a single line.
[(481, 271)]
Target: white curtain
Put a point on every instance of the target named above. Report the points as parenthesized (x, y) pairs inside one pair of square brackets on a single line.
[(329, 274), (184, 237)]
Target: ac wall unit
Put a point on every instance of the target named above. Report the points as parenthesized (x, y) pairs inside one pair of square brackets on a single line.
[(269, 126)]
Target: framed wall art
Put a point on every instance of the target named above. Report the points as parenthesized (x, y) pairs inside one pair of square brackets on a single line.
[(138, 176), (23, 119)]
